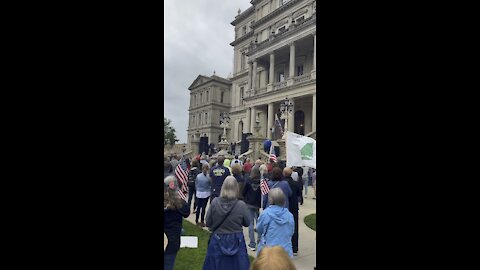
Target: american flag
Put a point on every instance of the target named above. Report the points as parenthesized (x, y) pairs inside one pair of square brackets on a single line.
[(181, 172), (272, 154), (264, 186)]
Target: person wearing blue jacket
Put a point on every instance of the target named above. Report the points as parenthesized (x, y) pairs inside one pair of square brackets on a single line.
[(218, 174), (276, 224)]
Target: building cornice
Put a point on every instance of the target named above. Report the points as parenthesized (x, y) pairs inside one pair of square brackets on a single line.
[(242, 16), (239, 75), (292, 30), (242, 38), (274, 13), (279, 91)]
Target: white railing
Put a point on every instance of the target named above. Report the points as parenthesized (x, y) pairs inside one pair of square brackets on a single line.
[(302, 78), (279, 85)]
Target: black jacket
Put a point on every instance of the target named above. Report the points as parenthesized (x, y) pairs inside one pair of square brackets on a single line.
[(172, 226), (252, 193), (192, 175), (296, 192)]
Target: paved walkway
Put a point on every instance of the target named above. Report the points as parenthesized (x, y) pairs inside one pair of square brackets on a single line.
[(306, 258)]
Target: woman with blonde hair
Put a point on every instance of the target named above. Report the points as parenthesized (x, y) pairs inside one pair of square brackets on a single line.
[(273, 258), (174, 210), (226, 218)]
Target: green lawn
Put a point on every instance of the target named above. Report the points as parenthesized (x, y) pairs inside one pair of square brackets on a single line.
[(193, 258), (311, 221)]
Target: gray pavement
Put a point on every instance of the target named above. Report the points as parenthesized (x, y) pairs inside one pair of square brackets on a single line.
[(307, 249)]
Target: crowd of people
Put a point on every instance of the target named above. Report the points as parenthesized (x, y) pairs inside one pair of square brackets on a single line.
[(234, 190)]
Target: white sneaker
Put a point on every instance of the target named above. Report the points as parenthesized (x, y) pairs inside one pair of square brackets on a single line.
[(252, 248), (295, 253)]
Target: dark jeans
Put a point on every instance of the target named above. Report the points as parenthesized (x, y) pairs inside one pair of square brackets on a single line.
[(191, 193), (201, 206), (295, 233), (169, 261)]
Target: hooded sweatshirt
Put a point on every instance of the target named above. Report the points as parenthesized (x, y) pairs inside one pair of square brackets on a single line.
[(276, 227), (238, 217)]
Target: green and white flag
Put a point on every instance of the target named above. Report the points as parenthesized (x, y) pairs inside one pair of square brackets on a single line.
[(301, 150)]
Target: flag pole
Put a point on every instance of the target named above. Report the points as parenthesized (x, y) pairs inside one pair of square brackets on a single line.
[(261, 194)]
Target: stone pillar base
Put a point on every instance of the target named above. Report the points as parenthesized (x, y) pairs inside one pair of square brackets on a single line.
[(256, 144), (289, 81), (269, 87)]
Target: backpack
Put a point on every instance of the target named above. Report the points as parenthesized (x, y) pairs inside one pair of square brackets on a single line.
[(192, 176)]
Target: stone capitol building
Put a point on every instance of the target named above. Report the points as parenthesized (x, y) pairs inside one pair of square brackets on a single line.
[(274, 58)]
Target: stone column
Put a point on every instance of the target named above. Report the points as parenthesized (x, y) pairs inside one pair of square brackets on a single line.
[(254, 77), (270, 119), (291, 117), (314, 113), (292, 60), (252, 119), (314, 50), (271, 75), (247, 124)]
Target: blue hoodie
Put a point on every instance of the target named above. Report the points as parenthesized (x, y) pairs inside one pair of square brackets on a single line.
[(276, 227)]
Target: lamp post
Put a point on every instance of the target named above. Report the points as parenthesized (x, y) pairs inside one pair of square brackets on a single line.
[(286, 108), (224, 121)]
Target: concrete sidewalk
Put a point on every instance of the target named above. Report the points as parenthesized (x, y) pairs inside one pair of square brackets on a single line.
[(307, 249)]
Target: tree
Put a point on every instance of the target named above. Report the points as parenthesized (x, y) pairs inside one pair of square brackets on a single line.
[(169, 131)]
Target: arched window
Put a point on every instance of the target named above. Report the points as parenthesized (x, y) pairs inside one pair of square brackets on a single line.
[(201, 98), (221, 97), (206, 96), (193, 121), (206, 118), (299, 122)]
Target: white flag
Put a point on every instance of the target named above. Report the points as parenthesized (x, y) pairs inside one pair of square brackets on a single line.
[(301, 150)]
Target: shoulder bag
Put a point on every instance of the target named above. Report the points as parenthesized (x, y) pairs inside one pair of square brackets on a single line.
[(221, 223)]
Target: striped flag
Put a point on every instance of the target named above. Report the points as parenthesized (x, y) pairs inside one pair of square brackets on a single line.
[(181, 172), (272, 154), (182, 195), (264, 186)]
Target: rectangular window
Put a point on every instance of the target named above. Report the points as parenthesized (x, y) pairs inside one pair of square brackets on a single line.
[(242, 61), (300, 19), (300, 70), (241, 95)]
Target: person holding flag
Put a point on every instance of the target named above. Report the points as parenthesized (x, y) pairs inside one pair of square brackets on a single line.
[(181, 172), (277, 182), (174, 210)]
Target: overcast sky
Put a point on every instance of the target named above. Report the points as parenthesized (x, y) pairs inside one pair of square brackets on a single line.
[(196, 42)]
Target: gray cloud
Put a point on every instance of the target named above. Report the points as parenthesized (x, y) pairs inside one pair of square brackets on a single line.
[(197, 34)]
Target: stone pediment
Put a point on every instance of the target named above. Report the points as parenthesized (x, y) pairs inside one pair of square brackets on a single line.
[(199, 81), (204, 79)]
